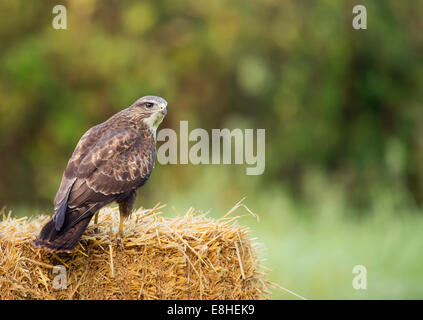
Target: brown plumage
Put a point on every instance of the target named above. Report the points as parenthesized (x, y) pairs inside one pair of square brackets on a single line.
[(110, 162)]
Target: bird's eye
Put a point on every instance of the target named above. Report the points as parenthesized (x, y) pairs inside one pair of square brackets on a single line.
[(148, 105)]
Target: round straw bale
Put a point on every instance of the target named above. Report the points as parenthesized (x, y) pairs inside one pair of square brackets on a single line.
[(185, 257)]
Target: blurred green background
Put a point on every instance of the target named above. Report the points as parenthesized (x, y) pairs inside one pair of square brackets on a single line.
[(342, 109)]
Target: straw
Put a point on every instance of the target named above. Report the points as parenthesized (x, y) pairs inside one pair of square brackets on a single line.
[(184, 257)]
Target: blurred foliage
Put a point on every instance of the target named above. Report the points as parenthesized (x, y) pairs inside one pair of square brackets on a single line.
[(342, 110), (340, 107)]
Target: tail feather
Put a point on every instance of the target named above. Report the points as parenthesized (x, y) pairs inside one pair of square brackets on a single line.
[(61, 212), (68, 236)]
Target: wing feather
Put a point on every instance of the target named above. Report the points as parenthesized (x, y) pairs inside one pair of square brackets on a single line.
[(105, 163), (84, 145), (120, 161)]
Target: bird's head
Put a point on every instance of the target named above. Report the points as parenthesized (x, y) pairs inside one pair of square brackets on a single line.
[(151, 110)]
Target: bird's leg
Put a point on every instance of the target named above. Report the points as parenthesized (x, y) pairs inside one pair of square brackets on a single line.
[(122, 216), (96, 222), (125, 210)]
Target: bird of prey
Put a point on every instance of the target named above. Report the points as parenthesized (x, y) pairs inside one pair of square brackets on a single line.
[(110, 162)]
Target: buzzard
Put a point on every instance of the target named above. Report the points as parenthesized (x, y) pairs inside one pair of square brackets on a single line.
[(110, 162)]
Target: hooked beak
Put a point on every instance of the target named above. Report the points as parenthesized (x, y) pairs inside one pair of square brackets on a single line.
[(163, 110)]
